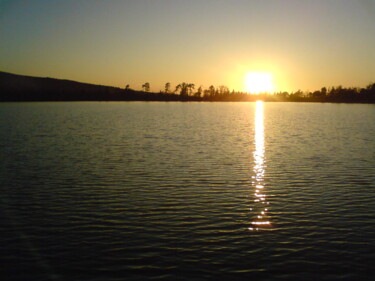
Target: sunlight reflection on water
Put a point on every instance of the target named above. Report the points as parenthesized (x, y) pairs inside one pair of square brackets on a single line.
[(260, 210), (99, 191)]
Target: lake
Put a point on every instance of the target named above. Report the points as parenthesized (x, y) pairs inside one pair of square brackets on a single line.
[(187, 191)]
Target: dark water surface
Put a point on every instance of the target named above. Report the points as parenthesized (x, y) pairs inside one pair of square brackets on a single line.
[(187, 191)]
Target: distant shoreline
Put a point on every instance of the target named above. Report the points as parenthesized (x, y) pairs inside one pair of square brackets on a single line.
[(20, 88)]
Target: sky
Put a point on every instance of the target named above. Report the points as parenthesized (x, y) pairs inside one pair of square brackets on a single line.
[(304, 44)]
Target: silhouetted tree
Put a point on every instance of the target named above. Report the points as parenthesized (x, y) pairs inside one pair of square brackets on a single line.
[(198, 94), (183, 87), (223, 90), (167, 87), (191, 87), (146, 87), (323, 91), (211, 90)]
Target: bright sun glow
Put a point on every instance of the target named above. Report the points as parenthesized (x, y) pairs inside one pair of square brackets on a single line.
[(258, 82)]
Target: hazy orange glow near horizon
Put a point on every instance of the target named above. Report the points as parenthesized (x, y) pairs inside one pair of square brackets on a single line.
[(295, 44)]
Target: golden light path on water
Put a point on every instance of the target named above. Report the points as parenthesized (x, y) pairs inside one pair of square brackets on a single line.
[(260, 206)]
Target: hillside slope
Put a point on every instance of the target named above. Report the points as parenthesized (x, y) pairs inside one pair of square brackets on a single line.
[(15, 87)]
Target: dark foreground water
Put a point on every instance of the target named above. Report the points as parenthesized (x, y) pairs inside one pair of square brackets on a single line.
[(187, 191)]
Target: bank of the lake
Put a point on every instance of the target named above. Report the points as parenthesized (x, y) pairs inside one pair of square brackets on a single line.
[(26, 88)]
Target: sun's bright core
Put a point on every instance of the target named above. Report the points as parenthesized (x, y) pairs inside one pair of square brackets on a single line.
[(258, 82)]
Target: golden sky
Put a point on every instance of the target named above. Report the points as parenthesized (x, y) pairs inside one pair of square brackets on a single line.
[(304, 44)]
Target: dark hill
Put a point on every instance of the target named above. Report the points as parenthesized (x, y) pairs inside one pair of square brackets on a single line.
[(27, 88)]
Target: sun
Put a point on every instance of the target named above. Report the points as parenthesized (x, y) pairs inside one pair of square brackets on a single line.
[(258, 82)]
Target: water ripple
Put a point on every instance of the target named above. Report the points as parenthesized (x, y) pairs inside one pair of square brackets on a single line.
[(165, 191)]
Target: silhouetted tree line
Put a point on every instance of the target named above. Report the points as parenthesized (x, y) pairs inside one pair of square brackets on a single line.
[(333, 94), (26, 88)]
